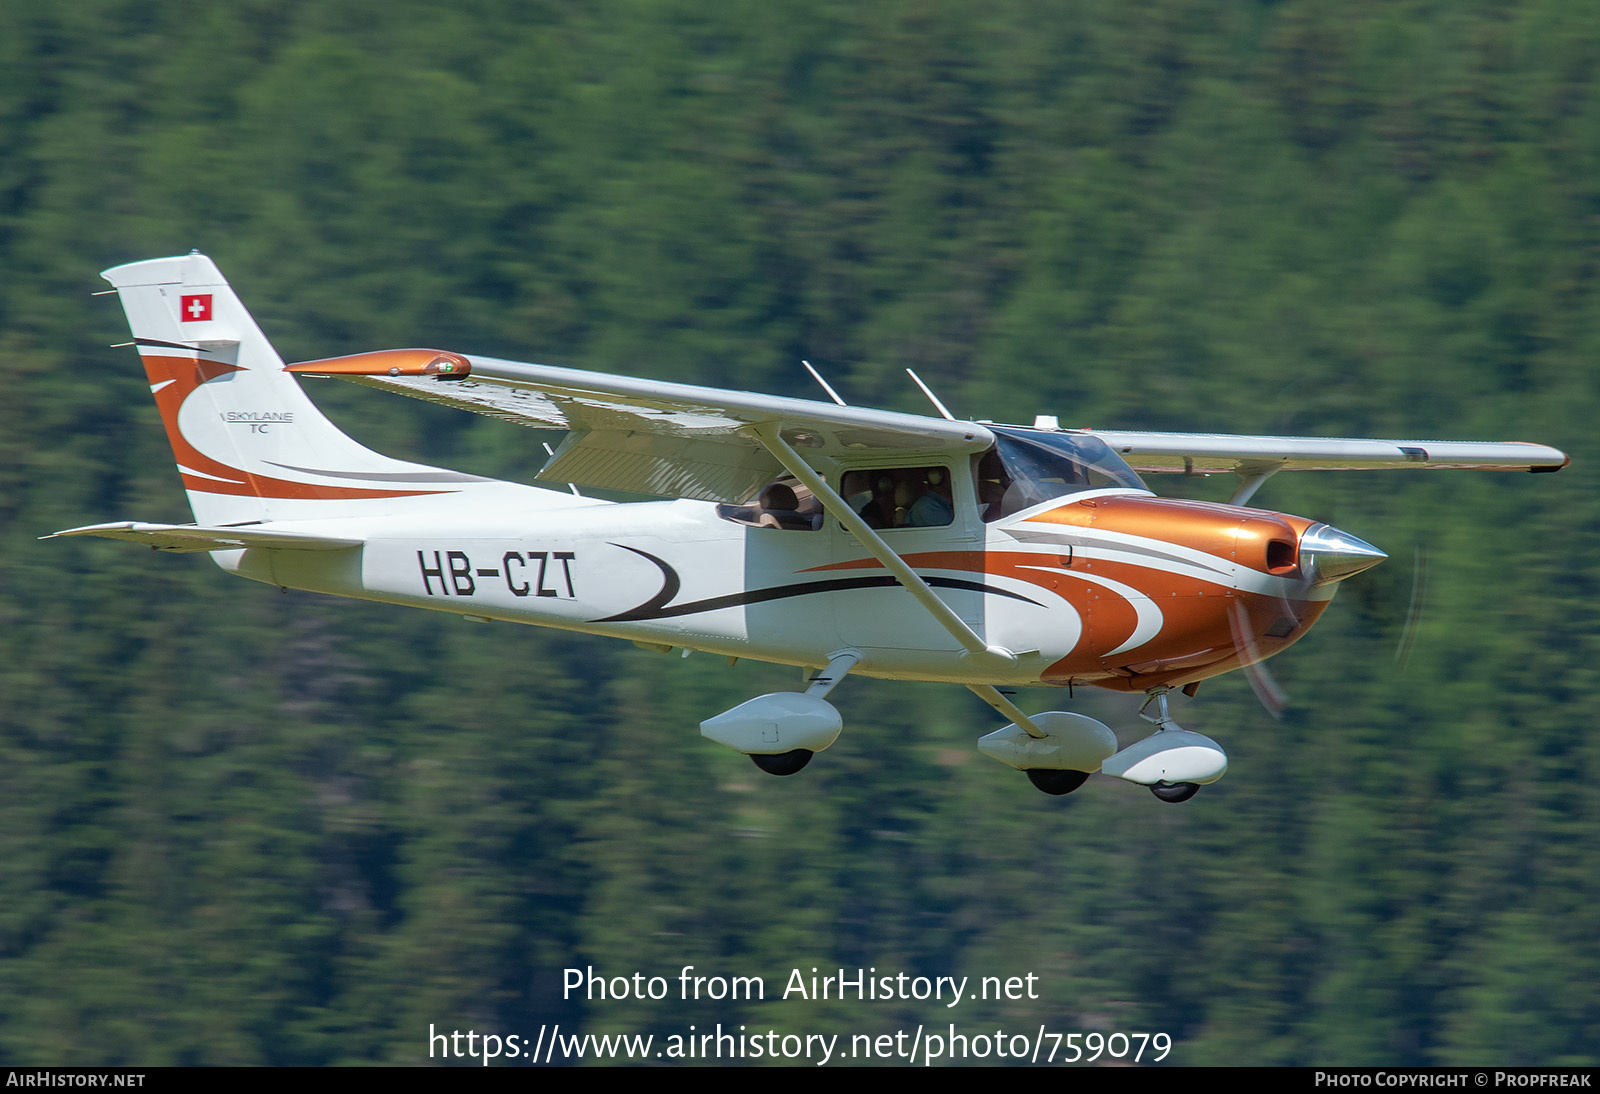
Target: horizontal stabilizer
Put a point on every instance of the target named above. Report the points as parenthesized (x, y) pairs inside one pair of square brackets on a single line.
[(193, 537)]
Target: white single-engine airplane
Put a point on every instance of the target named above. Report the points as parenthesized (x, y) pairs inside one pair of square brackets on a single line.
[(831, 537)]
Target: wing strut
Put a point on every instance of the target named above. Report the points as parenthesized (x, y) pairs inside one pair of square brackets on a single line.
[(770, 437), (1251, 475)]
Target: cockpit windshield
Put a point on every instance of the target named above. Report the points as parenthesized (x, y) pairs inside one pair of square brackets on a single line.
[(1025, 468)]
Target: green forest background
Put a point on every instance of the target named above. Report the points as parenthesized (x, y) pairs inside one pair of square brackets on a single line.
[(244, 827)]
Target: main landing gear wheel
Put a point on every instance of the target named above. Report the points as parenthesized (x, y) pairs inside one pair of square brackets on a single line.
[(1175, 792), (783, 763), (1057, 780)]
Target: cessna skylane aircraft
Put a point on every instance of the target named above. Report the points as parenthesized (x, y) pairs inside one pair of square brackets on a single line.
[(815, 534)]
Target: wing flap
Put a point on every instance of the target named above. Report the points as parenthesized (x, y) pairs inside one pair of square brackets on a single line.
[(716, 469), (191, 537)]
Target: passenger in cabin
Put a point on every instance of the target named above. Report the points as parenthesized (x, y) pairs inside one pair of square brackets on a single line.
[(933, 509)]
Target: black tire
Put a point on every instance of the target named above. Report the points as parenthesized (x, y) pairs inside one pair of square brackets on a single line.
[(784, 763), (1175, 792), (1057, 780)]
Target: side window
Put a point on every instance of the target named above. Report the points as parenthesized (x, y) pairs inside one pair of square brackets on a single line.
[(900, 497), (784, 503)]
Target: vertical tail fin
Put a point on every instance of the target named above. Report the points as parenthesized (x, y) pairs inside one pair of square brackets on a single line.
[(249, 444)]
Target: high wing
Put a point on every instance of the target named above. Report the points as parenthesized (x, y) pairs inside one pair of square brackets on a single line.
[(681, 440), (651, 437), (1206, 453)]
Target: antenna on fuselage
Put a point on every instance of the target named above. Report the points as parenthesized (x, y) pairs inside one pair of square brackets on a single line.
[(932, 398), (817, 376)]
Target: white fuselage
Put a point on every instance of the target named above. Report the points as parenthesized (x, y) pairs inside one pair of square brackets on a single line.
[(675, 573), (670, 572)]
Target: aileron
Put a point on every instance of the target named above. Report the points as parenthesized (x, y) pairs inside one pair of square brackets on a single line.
[(1207, 453)]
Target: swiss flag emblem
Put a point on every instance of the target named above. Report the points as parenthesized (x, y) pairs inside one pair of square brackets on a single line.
[(195, 309)]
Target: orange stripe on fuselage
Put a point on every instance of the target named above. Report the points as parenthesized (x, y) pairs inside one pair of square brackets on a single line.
[(1196, 638), (182, 377), (1228, 532), (1159, 663)]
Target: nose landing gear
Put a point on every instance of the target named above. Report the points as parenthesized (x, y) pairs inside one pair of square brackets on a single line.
[(1173, 762)]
